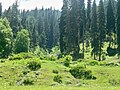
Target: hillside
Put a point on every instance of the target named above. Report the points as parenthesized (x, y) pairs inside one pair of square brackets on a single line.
[(15, 73)]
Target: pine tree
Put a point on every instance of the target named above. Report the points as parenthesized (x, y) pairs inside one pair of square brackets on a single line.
[(88, 15), (118, 27), (94, 31), (101, 27), (62, 26), (14, 19), (73, 32), (0, 10), (110, 22), (23, 17), (88, 22), (81, 23)]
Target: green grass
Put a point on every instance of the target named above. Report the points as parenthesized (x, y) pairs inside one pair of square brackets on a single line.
[(11, 72), (60, 88)]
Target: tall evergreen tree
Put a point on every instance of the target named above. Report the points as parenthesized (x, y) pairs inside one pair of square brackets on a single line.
[(118, 27), (81, 23), (110, 22), (0, 10), (23, 19), (15, 19), (94, 31), (101, 27), (73, 32), (88, 22), (88, 14), (62, 26)]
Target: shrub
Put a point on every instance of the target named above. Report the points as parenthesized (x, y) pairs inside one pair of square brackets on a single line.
[(52, 58), (111, 51), (25, 71), (57, 78), (21, 56), (15, 57), (34, 65), (55, 71), (80, 72), (93, 62), (2, 61), (26, 55), (67, 59), (114, 82), (40, 52), (28, 81)]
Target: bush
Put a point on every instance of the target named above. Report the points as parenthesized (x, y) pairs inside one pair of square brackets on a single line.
[(40, 52), (67, 59), (25, 72), (34, 65), (15, 57), (2, 61), (111, 51), (26, 55), (28, 81), (52, 58), (55, 71), (114, 82), (57, 78), (80, 72), (93, 62), (21, 56)]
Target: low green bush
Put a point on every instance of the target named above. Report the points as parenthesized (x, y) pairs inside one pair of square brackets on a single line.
[(114, 82), (25, 71), (28, 81), (66, 60), (93, 62), (21, 56), (51, 58), (55, 71), (81, 72), (34, 65), (105, 63), (57, 78), (111, 51), (2, 60)]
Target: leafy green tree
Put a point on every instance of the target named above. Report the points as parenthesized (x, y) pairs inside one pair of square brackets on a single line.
[(101, 27), (94, 31), (6, 37), (22, 42), (118, 27)]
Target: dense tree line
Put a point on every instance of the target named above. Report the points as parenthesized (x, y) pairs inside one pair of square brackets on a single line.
[(93, 26), (38, 27), (74, 29)]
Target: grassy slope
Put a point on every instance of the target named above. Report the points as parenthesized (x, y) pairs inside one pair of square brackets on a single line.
[(11, 72)]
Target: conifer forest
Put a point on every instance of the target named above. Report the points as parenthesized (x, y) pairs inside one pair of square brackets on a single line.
[(74, 48)]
